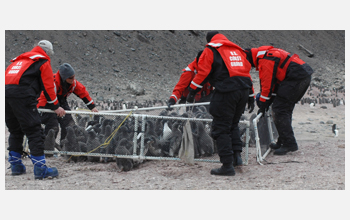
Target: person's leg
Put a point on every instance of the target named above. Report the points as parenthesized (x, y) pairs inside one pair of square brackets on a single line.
[(240, 99), (221, 126), (15, 141), (283, 107), (283, 120), (29, 119), (290, 92), (16, 134)]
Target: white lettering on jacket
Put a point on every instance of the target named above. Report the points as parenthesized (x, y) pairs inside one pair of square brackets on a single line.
[(235, 57), (236, 64), (15, 69)]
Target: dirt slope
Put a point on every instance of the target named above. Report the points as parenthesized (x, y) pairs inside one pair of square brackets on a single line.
[(109, 61)]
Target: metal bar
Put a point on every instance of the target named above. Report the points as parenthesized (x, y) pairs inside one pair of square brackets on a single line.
[(135, 134), (83, 112), (157, 107), (142, 136), (247, 139), (177, 118), (124, 156), (269, 126), (257, 139)]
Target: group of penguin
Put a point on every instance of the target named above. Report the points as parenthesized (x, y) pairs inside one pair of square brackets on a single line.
[(162, 137), (107, 105)]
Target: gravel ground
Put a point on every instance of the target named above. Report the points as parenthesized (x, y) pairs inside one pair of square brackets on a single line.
[(319, 164)]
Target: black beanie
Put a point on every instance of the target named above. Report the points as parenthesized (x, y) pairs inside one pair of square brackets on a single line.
[(66, 71), (210, 35)]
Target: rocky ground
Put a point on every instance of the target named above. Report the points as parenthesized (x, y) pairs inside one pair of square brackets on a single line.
[(319, 164), (110, 63)]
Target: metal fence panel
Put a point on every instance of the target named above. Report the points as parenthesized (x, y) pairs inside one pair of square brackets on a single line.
[(134, 136)]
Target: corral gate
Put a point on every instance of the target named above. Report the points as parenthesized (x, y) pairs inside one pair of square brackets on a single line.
[(143, 132)]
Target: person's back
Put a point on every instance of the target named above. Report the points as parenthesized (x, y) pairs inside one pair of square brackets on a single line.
[(23, 76), (226, 66)]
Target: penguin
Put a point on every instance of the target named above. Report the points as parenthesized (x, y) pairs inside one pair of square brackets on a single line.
[(105, 123), (82, 122), (70, 144), (80, 133), (175, 139), (205, 141), (110, 148), (123, 164), (152, 146), (335, 130), (50, 142), (91, 144)]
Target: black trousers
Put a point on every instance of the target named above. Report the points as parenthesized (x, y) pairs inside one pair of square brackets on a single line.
[(290, 91), (22, 118), (51, 121), (227, 109)]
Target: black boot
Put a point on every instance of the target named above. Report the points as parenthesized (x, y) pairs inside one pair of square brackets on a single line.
[(275, 146), (237, 159), (225, 170), (284, 149)]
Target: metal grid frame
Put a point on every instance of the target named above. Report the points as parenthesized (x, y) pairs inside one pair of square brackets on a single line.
[(134, 114), (260, 156)]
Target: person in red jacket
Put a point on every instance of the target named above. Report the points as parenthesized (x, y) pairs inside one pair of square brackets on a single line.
[(28, 75), (225, 66), (181, 91), (287, 77), (66, 84)]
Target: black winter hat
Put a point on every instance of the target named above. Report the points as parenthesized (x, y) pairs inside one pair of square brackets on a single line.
[(210, 35), (66, 71)]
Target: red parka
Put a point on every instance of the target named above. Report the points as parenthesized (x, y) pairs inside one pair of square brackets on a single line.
[(76, 87), (232, 69), (29, 74), (181, 88), (274, 65)]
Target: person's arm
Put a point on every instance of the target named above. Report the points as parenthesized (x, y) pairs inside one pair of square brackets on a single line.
[(83, 94)]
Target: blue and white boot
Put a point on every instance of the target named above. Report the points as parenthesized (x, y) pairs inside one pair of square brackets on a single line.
[(41, 171), (17, 167)]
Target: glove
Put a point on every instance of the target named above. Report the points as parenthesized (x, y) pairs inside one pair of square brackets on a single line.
[(257, 98), (170, 103), (182, 100), (264, 107), (251, 104), (190, 96)]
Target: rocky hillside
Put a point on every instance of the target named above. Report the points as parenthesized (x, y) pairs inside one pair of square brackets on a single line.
[(145, 65)]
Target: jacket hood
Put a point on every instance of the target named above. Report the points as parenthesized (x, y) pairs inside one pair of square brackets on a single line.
[(35, 54), (219, 40)]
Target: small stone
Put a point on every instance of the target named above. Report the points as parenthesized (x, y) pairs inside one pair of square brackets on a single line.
[(329, 122)]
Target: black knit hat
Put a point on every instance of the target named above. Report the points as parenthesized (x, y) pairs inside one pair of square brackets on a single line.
[(66, 71), (210, 35)]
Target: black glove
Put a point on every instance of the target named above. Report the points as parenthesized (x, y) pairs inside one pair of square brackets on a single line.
[(257, 98), (190, 96), (170, 103), (182, 100), (264, 107), (251, 104)]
